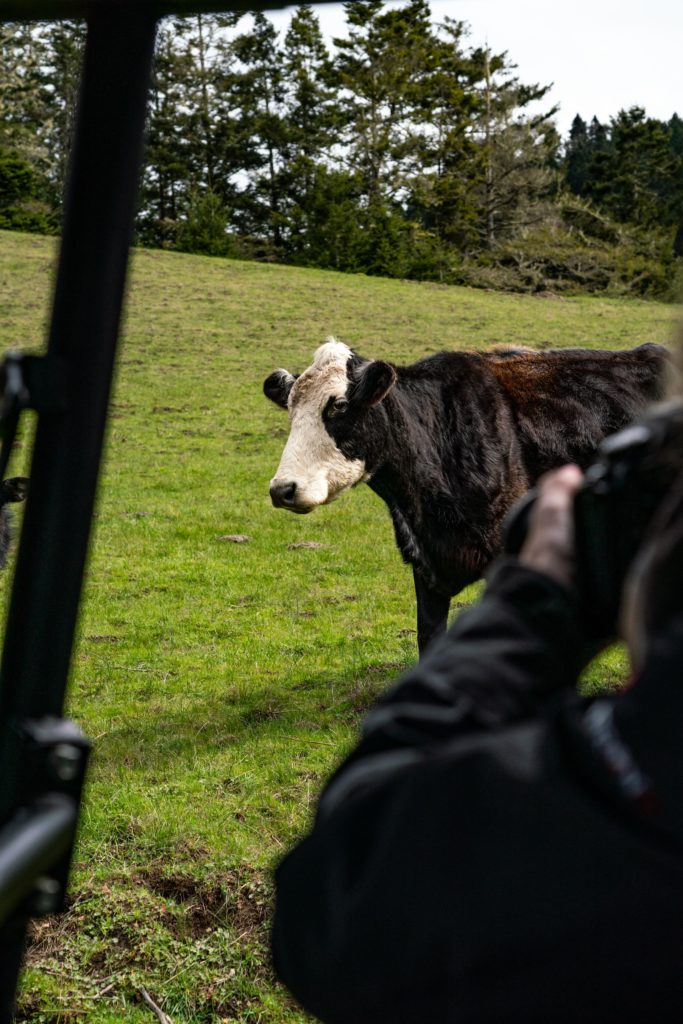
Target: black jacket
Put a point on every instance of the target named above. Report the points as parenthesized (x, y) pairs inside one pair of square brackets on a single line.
[(496, 848)]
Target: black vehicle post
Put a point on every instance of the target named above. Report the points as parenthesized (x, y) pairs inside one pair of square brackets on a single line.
[(41, 755)]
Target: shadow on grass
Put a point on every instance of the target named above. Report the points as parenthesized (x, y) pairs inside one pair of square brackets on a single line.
[(286, 709), (311, 705)]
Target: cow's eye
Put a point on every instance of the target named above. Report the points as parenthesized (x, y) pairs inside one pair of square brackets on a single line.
[(337, 407)]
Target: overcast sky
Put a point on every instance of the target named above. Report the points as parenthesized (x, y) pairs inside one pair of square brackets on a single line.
[(601, 55)]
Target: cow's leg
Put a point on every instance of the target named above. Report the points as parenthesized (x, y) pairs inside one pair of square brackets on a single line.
[(432, 612)]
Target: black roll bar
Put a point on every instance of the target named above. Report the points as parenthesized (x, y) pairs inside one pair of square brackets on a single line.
[(100, 206), (43, 755)]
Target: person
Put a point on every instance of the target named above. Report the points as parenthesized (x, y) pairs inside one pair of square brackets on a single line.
[(498, 848)]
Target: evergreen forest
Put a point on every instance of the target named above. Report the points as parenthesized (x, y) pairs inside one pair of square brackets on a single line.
[(397, 150)]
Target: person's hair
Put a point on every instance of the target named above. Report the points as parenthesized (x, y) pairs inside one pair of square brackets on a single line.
[(653, 596)]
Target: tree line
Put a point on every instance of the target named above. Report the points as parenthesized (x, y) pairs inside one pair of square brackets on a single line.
[(399, 150)]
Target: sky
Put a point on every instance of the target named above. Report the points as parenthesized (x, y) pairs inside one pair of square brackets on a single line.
[(600, 55)]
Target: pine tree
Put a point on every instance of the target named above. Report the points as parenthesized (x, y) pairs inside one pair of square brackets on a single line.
[(379, 67), (636, 178), (310, 132), (20, 206), (335, 236), (64, 46), (21, 89), (519, 150), (448, 159), (39, 80), (379, 70), (168, 153), (204, 227), (258, 95), (598, 135), (577, 156), (599, 158), (205, 51), (675, 127)]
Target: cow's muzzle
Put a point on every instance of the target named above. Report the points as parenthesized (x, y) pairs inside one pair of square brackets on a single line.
[(283, 494)]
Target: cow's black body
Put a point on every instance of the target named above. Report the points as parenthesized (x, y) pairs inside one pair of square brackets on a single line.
[(11, 490), (460, 436)]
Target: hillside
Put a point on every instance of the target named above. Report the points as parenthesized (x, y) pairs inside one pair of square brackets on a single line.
[(221, 681)]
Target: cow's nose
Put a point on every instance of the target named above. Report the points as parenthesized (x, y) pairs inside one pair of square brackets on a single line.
[(282, 494)]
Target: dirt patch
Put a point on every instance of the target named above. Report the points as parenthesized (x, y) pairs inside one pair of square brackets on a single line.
[(383, 669), (103, 639), (362, 696), (305, 684), (46, 935), (310, 545), (240, 900), (30, 1010), (234, 538), (268, 712), (122, 921)]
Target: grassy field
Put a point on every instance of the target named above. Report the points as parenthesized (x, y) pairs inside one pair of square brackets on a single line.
[(221, 681)]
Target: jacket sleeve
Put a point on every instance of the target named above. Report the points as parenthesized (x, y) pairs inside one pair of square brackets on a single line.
[(351, 897), (501, 661)]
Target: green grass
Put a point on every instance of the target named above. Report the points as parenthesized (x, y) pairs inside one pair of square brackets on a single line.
[(221, 682)]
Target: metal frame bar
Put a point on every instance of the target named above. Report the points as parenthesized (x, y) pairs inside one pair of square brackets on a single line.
[(29, 845), (46, 10), (42, 756), (100, 208)]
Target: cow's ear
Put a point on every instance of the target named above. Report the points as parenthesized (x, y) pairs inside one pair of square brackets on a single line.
[(372, 383), (278, 385), (14, 489)]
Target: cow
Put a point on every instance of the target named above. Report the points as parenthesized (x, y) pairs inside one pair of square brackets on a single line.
[(11, 490), (451, 442)]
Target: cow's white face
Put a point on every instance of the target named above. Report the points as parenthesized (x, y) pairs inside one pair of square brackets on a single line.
[(313, 469)]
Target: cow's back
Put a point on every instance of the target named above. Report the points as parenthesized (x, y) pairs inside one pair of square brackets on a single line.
[(565, 401)]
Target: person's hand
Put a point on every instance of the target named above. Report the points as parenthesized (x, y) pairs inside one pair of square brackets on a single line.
[(549, 545)]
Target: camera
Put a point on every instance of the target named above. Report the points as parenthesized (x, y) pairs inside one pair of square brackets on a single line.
[(622, 490)]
